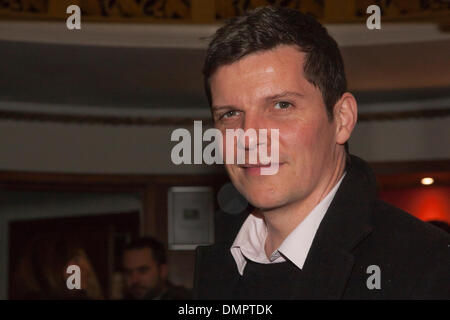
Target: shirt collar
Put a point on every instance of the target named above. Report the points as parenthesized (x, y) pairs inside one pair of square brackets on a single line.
[(249, 243)]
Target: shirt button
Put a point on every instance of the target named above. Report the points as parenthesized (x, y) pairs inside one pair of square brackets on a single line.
[(274, 256)]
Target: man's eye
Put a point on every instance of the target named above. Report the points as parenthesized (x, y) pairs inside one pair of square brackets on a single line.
[(228, 114), (282, 105)]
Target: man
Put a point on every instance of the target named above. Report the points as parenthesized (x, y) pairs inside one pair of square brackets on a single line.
[(318, 231), (145, 272)]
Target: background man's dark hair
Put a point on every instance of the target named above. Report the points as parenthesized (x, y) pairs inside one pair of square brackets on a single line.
[(156, 247), (268, 27)]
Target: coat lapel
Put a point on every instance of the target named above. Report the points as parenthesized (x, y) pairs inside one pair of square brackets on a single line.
[(324, 277), (347, 222)]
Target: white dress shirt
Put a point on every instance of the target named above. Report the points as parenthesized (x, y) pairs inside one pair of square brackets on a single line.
[(249, 242)]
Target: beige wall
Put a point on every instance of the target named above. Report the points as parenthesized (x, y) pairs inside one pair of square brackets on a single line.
[(54, 147), (413, 139)]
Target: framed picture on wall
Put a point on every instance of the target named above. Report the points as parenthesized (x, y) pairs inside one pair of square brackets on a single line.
[(191, 217)]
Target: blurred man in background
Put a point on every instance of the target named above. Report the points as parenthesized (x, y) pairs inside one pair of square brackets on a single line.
[(145, 272)]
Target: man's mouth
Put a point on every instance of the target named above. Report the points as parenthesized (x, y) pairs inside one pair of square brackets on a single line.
[(255, 169)]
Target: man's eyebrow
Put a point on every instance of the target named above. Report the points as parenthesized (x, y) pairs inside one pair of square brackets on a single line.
[(284, 94), (217, 108)]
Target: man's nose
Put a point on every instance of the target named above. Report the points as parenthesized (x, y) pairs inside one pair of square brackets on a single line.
[(248, 140), (251, 138)]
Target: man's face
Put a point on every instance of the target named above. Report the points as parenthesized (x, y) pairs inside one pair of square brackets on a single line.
[(144, 278), (268, 90)]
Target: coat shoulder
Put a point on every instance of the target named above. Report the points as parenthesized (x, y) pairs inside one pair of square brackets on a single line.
[(406, 229), (417, 253)]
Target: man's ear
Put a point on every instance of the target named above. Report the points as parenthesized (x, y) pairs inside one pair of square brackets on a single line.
[(345, 115)]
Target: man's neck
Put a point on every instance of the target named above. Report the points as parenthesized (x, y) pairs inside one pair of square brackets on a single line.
[(282, 221)]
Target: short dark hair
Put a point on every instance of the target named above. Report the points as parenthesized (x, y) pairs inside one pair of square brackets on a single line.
[(156, 247), (265, 28)]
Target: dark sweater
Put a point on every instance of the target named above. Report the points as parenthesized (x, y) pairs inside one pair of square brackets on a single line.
[(266, 281)]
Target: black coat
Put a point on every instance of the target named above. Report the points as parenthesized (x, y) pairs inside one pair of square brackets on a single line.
[(357, 231)]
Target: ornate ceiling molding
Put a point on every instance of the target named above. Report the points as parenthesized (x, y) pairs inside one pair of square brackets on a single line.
[(200, 11)]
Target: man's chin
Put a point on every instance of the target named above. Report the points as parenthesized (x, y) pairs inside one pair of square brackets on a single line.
[(265, 201)]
